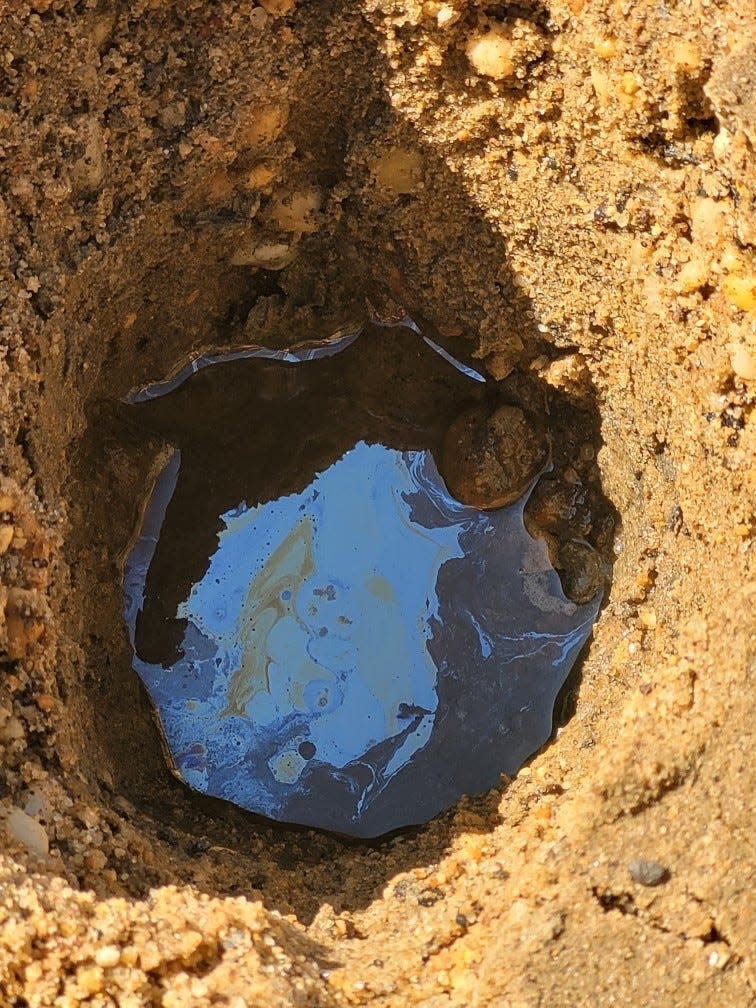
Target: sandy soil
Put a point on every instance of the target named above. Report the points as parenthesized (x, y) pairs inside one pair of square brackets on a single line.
[(563, 191)]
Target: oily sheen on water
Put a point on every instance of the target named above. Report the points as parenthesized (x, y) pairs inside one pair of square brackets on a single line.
[(329, 638)]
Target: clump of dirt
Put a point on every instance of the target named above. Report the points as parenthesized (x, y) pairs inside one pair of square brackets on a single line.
[(565, 196)]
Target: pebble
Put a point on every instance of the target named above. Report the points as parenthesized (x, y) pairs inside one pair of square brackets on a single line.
[(605, 47), (260, 176), (87, 172), (490, 54), (263, 126), (297, 212), (686, 57), (708, 222), (37, 804), (741, 291), (692, 276), (743, 360), (580, 571), (490, 458), (570, 373), (11, 729), (269, 256), (6, 535), (90, 979), (27, 831), (108, 956), (45, 702), (446, 16), (647, 873)]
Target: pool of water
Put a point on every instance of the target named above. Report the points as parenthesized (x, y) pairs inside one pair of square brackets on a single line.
[(328, 637)]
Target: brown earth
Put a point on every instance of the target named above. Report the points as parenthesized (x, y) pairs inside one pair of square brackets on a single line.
[(562, 191)]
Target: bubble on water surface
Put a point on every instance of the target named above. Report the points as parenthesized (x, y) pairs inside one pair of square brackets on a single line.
[(354, 649)]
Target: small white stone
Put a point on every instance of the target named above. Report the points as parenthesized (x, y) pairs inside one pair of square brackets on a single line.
[(491, 54), (108, 956), (447, 16), (270, 256), (743, 360), (12, 730), (27, 831), (36, 803)]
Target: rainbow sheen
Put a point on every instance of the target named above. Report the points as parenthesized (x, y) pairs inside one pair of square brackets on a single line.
[(359, 653)]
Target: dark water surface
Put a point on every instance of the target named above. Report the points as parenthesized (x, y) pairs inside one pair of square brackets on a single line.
[(328, 637)]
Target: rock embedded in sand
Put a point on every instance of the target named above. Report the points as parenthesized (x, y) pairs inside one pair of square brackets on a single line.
[(647, 873), (24, 829), (296, 212), (6, 535), (570, 374), (741, 290), (25, 613), (107, 957), (743, 360), (88, 170), (490, 54), (260, 176), (400, 170), (11, 729), (501, 52), (605, 46), (273, 256), (692, 276), (490, 458), (446, 16), (581, 572), (262, 126)]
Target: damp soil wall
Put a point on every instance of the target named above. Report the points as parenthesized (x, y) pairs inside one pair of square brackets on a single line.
[(564, 195)]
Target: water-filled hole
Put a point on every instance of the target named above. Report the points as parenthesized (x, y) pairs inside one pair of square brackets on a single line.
[(184, 297), (305, 577)]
